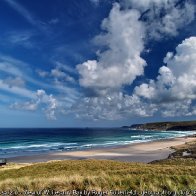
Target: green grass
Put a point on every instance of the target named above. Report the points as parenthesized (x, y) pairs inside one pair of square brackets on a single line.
[(173, 175)]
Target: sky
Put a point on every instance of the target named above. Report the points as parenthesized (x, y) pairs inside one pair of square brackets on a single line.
[(96, 63)]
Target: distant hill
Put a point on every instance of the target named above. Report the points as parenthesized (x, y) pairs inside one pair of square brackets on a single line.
[(162, 126)]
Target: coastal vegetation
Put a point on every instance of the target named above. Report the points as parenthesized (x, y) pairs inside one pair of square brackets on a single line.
[(166, 126), (170, 175)]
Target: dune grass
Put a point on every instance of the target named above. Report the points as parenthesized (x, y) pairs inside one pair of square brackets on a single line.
[(172, 175), (9, 166)]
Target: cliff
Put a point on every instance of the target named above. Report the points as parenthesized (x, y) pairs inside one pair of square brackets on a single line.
[(162, 126)]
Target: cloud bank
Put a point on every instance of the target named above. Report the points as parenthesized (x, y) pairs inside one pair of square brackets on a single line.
[(130, 26), (171, 94), (119, 62)]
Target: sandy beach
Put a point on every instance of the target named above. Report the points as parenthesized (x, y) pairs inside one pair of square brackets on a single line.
[(141, 152)]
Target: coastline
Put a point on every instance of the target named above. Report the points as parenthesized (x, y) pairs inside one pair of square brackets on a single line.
[(139, 152)]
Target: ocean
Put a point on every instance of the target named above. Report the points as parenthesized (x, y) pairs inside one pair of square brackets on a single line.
[(19, 142)]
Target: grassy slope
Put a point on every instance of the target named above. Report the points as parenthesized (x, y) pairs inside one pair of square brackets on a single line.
[(102, 175)]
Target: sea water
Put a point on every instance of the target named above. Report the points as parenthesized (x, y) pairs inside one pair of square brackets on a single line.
[(18, 142)]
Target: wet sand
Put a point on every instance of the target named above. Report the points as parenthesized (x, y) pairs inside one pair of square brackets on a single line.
[(141, 152)]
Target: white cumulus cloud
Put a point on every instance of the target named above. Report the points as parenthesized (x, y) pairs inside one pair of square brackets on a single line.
[(175, 88), (119, 63)]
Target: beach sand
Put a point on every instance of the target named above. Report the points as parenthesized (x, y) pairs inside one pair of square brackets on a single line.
[(141, 152)]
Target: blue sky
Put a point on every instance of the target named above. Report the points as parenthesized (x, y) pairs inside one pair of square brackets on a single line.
[(96, 62)]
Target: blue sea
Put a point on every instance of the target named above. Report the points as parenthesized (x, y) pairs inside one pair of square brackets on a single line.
[(19, 142)]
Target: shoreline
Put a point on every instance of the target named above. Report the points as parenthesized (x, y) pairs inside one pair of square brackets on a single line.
[(139, 152)]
